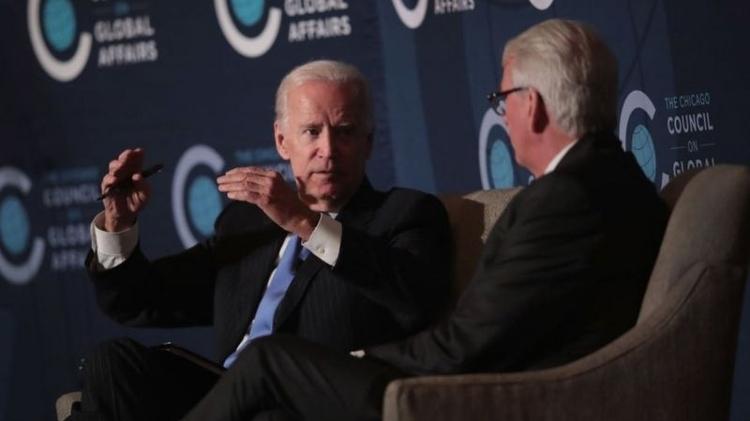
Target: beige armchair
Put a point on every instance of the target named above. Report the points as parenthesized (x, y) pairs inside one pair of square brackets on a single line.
[(675, 364)]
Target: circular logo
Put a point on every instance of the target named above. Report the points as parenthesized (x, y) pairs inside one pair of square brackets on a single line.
[(15, 230), (641, 142), (495, 158), (59, 24), (248, 12), (501, 165), (204, 204), (541, 4), (14, 226), (196, 202), (411, 17), (642, 146), (121, 8)]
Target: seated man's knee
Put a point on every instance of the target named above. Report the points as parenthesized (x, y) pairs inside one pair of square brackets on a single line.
[(111, 357), (267, 349)]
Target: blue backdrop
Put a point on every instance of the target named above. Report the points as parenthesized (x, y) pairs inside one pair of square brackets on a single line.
[(193, 83)]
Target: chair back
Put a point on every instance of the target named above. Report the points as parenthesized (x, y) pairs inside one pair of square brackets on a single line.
[(678, 361), (472, 216), (710, 223)]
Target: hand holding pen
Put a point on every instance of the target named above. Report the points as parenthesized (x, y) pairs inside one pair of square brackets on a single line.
[(124, 189), (124, 186)]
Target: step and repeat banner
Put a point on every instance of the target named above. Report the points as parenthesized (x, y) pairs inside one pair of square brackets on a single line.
[(193, 83)]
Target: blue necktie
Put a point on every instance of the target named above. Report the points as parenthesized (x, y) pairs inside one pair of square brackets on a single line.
[(262, 325), (282, 278)]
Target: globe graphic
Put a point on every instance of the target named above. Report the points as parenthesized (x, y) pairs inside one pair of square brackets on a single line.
[(501, 165), (14, 226), (59, 23), (248, 12), (642, 146), (121, 8), (204, 204)]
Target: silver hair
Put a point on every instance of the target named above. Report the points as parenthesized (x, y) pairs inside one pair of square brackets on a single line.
[(572, 69), (327, 71)]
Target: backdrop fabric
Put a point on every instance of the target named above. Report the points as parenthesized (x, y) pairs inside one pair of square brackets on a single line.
[(194, 82)]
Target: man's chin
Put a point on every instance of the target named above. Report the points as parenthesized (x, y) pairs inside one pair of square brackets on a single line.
[(327, 196)]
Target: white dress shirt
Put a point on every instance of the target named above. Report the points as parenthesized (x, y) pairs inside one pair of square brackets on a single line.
[(560, 155), (113, 248)]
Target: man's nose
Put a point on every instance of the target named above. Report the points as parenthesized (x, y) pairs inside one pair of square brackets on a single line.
[(326, 144)]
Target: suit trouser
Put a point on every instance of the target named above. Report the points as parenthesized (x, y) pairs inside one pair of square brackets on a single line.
[(278, 377), (309, 381), (124, 380)]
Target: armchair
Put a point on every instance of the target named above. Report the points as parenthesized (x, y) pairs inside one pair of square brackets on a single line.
[(676, 363)]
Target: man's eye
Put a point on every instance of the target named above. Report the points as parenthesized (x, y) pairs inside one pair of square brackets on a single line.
[(311, 131)]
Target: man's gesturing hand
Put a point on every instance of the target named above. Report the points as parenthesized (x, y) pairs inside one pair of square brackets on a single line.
[(121, 209), (268, 190)]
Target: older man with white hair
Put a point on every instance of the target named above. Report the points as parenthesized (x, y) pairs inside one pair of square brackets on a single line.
[(562, 272), (333, 261)]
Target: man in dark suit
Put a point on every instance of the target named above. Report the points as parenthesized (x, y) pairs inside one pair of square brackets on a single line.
[(562, 273), (335, 262)]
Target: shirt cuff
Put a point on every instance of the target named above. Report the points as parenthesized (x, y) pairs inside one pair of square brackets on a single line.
[(360, 353), (111, 248), (325, 240)]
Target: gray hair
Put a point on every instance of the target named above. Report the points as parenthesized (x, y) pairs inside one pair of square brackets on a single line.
[(327, 71), (572, 69)]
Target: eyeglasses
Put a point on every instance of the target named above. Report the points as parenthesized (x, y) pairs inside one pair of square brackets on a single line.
[(497, 99)]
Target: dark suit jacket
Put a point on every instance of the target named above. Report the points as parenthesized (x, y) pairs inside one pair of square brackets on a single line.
[(390, 278), (562, 273)]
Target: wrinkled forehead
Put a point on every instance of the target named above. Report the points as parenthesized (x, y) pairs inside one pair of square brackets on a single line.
[(327, 97), (317, 104), (324, 93), (350, 91)]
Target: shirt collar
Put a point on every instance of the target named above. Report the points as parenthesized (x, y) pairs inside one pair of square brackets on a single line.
[(560, 155)]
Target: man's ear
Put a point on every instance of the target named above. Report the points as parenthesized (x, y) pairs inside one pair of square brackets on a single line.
[(280, 140), (538, 115)]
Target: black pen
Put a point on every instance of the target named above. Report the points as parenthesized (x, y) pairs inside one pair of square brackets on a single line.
[(126, 184)]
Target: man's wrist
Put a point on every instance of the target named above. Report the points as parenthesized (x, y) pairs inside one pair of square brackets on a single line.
[(325, 240), (112, 248), (117, 224)]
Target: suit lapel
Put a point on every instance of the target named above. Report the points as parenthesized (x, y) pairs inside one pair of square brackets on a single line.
[(361, 208), (305, 274), (357, 213)]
